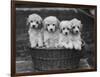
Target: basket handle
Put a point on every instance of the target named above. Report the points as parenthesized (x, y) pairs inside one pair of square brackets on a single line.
[(83, 43)]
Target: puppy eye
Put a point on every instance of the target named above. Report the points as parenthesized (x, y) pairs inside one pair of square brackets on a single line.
[(68, 29), (78, 26), (73, 27), (31, 21), (47, 24), (53, 24), (36, 22), (63, 28)]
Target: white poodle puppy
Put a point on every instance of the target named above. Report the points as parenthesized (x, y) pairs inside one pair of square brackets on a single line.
[(35, 30), (65, 35), (76, 33), (51, 31)]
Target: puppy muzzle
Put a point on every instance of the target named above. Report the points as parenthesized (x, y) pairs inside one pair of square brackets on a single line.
[(35, 27), (51, 30), (75, 32)]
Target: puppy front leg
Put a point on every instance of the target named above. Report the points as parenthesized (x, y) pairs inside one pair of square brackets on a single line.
[(40, 42), (70, 45), (32, 41), (46, 43), (60, 44), (33, 44), (66, 45), (77, 46), (56, 43)]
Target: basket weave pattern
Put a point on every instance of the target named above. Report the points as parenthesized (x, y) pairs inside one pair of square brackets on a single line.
[(52, 59)]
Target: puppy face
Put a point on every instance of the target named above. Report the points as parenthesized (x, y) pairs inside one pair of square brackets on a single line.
[(76, 26), (51, 23), (65, 27), (34, 21)]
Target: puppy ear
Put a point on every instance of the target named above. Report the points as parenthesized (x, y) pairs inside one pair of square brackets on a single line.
[(40, 25), (71, 27), (58, 23), (41, 20), (81, 25), (60, 26), (60, 30), (27, 20), (43, 23)]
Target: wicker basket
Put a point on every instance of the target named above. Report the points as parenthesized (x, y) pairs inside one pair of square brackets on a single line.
[(54, 59)]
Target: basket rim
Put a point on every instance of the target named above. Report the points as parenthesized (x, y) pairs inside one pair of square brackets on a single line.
[(53, 49)]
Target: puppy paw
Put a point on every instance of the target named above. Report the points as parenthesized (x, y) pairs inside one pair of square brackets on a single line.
[(57, 45), (80, 48), (66, 46), (46, 45), (33, 46), (70, 46), (77, 47), (61, 45), (40, 45)]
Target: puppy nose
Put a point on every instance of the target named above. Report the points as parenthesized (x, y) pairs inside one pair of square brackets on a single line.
[(66, 33), (76, 31), (51, 29), (33, 26)]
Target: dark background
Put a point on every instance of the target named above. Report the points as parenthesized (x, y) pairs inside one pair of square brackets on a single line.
[(22, 41)]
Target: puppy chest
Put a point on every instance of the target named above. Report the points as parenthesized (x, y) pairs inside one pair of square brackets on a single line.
[(35, 35), (75, 38), (64, 38), (53, 40)]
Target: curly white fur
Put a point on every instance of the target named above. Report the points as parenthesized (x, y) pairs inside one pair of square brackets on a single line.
[(65, 36), (35, 30), (51, 32), (76, 33)]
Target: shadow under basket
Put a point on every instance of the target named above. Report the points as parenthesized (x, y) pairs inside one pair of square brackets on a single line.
[(55, 59)]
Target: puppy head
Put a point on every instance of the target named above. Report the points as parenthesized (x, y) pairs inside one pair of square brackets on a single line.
[(34, 21), (65, 27), (51, 23), (76, 26)]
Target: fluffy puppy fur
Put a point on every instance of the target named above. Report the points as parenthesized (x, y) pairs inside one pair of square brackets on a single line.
[(35, 30), (65, 35), (76, 33), (51, 31)]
